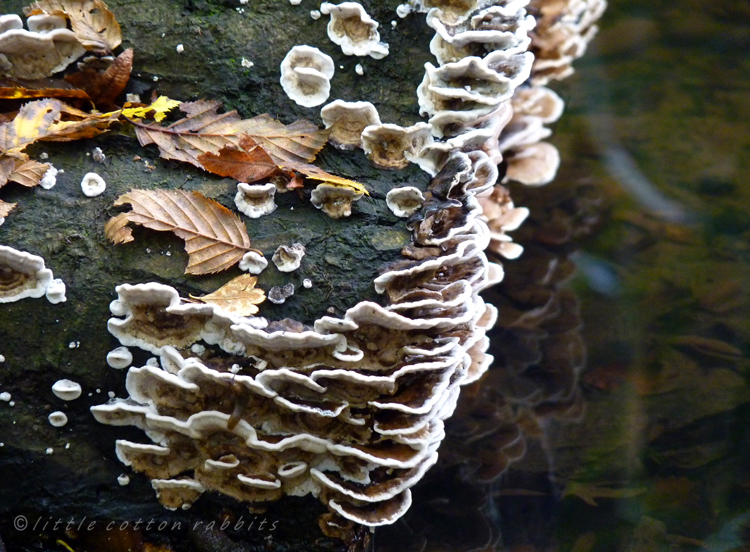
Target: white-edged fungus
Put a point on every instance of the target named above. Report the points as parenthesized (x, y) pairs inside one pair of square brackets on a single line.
[(58, 419), (119, 358), (347, 120), (354, 30), (279, 294), (45, 23), (392, 146), (93, 185), (255, 200), (307, 283), (98, 155), (123, 479), (287, 258), (66, 389), (533, 164), (36, 55), (334, 201), (253, 262), (22, 275), (56, 291), (404, 201), (305, 75)]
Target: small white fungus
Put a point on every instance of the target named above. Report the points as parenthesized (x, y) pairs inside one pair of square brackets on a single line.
[(119, 358), (56, 292), (57, 419), (197, 349), (359, 69), (133, 98), (123, 480), (93, 185), (315, 14), (2, 358), (44, 155), (49, 450), (5, 396), (66, 389), (12, 403), (246, 63), (98, 155), (67, 446), (307, 283), (49, 179), (111, 394), (295, 2), (180, 48)]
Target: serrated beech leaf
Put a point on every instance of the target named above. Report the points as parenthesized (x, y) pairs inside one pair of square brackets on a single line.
[(215, 238)]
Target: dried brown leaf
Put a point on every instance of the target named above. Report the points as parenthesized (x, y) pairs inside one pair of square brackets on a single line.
[(6, 208), (205, 130), (246, 162), (238, 296), (28, 173), (104, 86), (93, 24), (215, 238)]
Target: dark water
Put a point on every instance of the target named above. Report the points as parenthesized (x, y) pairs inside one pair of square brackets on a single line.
[(616, 415)]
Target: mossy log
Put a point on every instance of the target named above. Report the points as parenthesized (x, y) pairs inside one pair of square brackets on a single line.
[(73, 470)]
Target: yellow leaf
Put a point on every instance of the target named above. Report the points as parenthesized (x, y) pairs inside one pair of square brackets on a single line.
[(32, 123), (159, 107), (238, 296), (316, 173)]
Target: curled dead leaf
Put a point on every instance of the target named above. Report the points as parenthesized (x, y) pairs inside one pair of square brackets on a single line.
[(6, 208), (238, 296), (103, 87)]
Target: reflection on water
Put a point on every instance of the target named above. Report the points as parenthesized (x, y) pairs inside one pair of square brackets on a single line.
[(615, 416)]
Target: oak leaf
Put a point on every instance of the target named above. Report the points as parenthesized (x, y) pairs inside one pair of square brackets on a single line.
[(246, 162), (215, 238), (238, 296), (93, 24), (205, 130)]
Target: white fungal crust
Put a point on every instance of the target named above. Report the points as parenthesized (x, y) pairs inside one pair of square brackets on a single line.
[(355, 31), (305, 75), (93, 185), (347, 120), (253, 262), (287, 258), (66, 389), (255, 200), (404, 201), (334, 201), (22, 275), (46, 48)]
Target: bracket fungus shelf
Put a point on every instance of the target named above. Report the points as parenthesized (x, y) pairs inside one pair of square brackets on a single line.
[(348, 406)]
